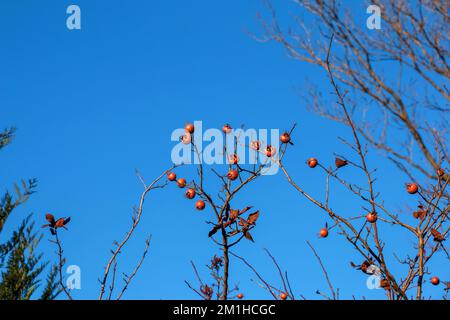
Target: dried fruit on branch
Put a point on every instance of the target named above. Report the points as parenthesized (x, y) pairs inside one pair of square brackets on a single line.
[(189, 128), (412, 188), (232, 174), (181, 182), (200, 205), (171, 176), (312, 162), (323, 233), (435, 281), (372, 217), (190, 193), (286, 138), (270, 151), (226, 128)]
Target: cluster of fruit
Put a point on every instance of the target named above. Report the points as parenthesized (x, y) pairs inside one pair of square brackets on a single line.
[(190, 192), (371, 217), (269, 151), (233, 159)]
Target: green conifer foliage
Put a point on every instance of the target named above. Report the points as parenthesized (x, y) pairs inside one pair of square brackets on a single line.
[(21, 266)]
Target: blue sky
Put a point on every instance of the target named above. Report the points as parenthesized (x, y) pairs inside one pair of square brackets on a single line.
[(94, 105)]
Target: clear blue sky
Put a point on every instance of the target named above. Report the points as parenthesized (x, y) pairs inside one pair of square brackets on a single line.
[(91, 106)]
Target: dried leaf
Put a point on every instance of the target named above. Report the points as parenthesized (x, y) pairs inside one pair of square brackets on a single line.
[(253, 217), (234, 214), (61, 222), (248, 236), (340, 162), (228, 223), (243, 223), (214, 230), (50, 218), (437, 236), (245, 210)]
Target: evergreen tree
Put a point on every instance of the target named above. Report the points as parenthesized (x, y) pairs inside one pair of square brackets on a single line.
[(21, 266)]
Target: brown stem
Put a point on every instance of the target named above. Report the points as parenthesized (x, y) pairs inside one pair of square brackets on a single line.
[(421, 267), (60, 266), (333, 293), (226, 264), (136, 220)]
